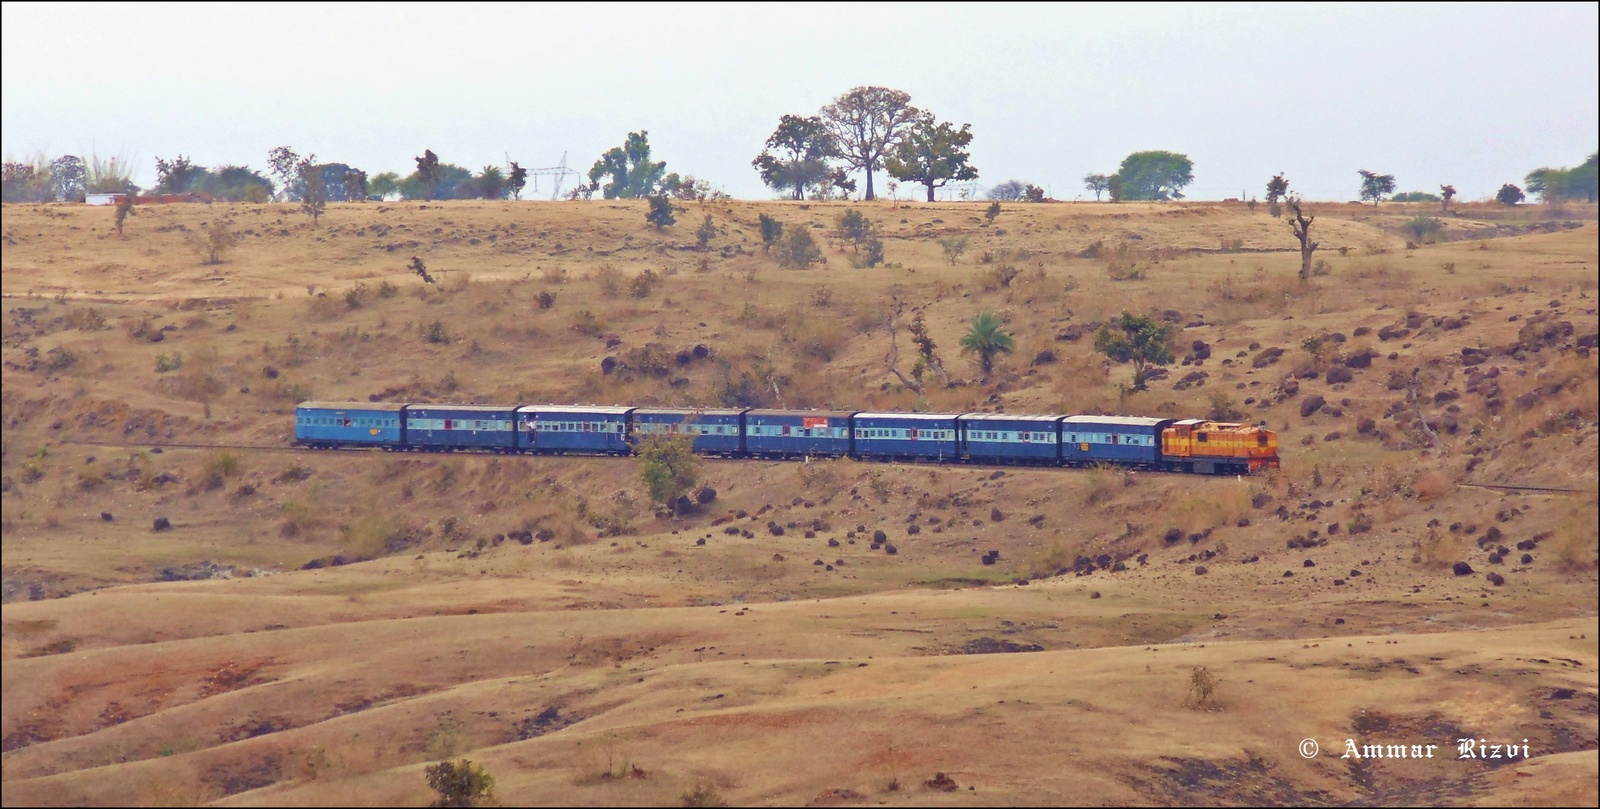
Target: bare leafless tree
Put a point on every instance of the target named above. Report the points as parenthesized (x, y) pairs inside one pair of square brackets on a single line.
[(866, 124), (1300, 223)]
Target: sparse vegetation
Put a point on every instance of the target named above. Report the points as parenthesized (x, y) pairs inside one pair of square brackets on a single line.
[(461, 783), (798, 250), (987, 338), (1202, 690), (469, 549), (704, 794), (668, 467), (1140, 340)]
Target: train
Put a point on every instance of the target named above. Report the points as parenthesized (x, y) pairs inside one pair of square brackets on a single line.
[(1197, 446)]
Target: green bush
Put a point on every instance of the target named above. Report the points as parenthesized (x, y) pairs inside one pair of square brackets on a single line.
[(461, 783)]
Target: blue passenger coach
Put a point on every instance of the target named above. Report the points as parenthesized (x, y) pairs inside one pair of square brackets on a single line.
[(561, 429), (1007, 438), (430, 426), (716, 432), (796, 433), (349, 424), (907, 436), (1116, 439)]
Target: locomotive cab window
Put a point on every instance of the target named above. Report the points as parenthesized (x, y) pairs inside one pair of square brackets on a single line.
[(1261, 440), (1202, 437)]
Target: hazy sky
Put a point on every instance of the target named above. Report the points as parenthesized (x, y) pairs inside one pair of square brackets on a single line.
[(1464, 93)]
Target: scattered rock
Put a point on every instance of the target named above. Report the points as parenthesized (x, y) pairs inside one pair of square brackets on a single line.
[(1266, 358), (987, 646)]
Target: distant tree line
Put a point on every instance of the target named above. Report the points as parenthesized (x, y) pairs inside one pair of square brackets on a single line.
[(866, 130), (65, 179), (1555, 185)]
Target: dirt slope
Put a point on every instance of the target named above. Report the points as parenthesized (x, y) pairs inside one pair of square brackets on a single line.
[(315, 627)]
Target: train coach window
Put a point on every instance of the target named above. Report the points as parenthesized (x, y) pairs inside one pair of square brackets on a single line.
[(1114, 438)]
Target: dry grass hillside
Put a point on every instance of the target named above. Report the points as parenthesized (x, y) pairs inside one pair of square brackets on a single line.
[(197, 612)]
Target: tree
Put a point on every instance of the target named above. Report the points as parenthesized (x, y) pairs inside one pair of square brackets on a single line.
[(855, 228), (803, 147), (109, 175), (238, 184), (986, 337), (927, 352), (954, 247), (798, 250), (867, 124), (705, 233), (771, 232), (215, 242), (1583, 182), (1447, 193), (932, 154), (490, 183), (668, 466), (24, 182), (70, 177), (384, 184), (1155, 175), (449, 182), (177, 176), (1008, 191), (1142, 341), (1375, 186), (124, 210), (660, 213), (517, 181), (1097, 183), (1420, 227), (632, 174), (313, 189), (1114, 188), (460, 784), (1554, 185), (284, 164), (428, 172), (356, 187), (1300, 226), (1277, 189), (1509, 195)]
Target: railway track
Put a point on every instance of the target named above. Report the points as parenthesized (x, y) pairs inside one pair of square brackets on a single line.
[(297, 450), (1516, 488), (146, 445)]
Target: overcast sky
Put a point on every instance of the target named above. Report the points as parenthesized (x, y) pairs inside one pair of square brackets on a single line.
[(1465, 93)]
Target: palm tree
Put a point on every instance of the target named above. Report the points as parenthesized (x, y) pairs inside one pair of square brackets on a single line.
[(986, 338)]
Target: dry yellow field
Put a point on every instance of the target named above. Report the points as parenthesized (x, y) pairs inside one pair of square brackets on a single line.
[(316, 627)]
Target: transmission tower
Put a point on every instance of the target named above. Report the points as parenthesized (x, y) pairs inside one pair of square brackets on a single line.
[(557, 173)]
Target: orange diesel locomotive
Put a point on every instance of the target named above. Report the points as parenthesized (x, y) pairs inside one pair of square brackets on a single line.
[(1218, 447)]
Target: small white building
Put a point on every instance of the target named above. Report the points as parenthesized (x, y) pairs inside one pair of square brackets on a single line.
[(102, 199)]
